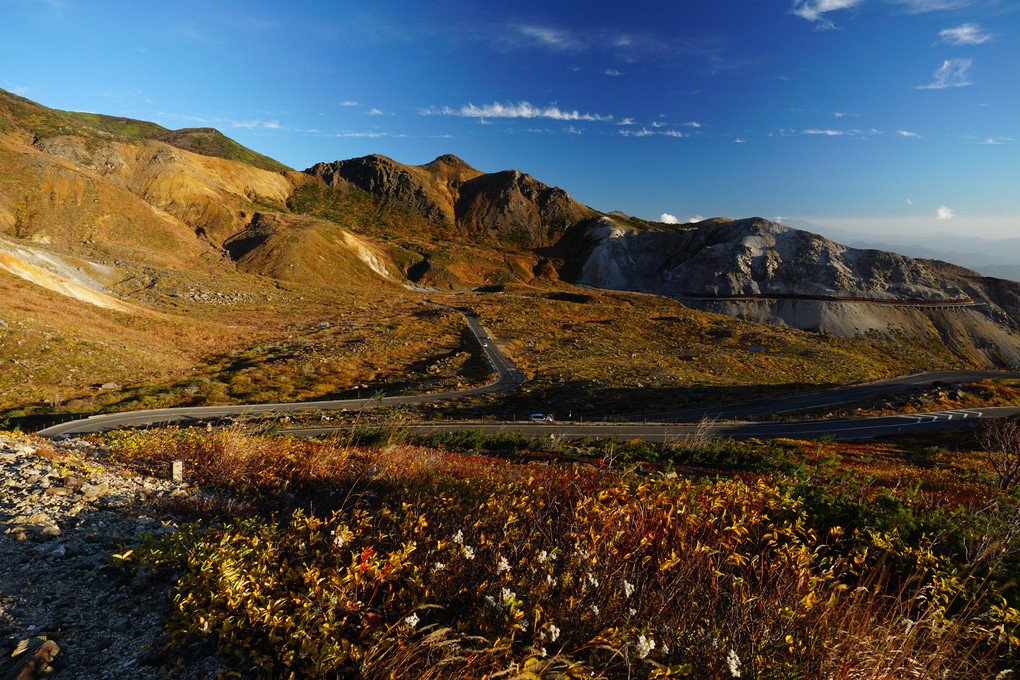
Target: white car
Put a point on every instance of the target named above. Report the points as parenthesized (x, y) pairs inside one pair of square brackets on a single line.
[(541, 418)]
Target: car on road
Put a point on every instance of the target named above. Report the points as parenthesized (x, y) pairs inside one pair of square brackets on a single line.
[(541, 418)]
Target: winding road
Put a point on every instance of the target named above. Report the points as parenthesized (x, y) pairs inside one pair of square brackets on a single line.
[(657, 427)]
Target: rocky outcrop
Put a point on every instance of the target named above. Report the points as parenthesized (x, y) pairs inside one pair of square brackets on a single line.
[(515, 208), (506, 208), (426, 193), (766, 272)]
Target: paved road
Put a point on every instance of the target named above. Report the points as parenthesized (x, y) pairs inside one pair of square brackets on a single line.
[(508, 377), (670, 426), (822, 399), (858, 428)]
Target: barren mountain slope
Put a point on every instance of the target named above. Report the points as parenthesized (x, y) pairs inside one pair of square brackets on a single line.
[(802, 280), (506, 208)]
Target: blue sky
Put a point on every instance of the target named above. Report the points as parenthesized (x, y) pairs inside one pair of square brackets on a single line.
[(874, 115)]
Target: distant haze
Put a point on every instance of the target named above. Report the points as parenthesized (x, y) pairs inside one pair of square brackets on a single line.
[(998, 257)]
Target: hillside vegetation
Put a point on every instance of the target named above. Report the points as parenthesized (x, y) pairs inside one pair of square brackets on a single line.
[(788, 560)]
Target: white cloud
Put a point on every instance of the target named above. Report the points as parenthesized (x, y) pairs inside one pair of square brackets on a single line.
[(921, 6), (626, 121), (573, 130), (613, 72), (645, 132), (815, 10), (693, 124), (374, 112), (348, 103), (910, 202), (907, 133), (965, 34), (996, 140), (368, 135), (551, 37), (666, 218), (253, 124), (952, 73), (511, 110), (830, 133), (696, 218), (738, 140), (944, 213)]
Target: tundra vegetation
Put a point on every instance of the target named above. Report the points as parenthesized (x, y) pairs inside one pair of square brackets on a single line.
[(535, 559)]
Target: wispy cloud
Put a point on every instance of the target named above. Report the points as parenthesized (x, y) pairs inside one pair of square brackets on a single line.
[(552, 38), (921, 6), (511, 110), (952, 73), (829, 132), (256, 124), (645, 132), (996, 140), (613, 72), (374, 112), (738, 140), (348, 103), (626, 121), (693, 124), (944, 213), (907, 133), (815, 10), (965, 34), (844, 114), (367, 135)]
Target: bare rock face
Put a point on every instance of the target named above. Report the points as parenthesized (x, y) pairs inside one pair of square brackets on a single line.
[(750, 257), (766, 272)]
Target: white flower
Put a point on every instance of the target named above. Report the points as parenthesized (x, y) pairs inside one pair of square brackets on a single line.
[(543, 557), (553, 631), (542, 653), (439, 566), (733, 662), (339, 540), (590, 578), (524, 624), (508, 594), (644, 646), (665, 648), (411, 620), (458, 537), (632, 611), (595, 609), (502, 565), (469, 552), (551, 580), (1004, 675), (628, 588)]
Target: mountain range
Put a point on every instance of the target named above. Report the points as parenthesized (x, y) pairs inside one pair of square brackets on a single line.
[(115, 214)]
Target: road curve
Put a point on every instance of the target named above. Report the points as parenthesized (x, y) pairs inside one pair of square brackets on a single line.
[(508, 377)]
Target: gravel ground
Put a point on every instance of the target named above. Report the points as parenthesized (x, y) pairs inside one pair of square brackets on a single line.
[(63, 513)]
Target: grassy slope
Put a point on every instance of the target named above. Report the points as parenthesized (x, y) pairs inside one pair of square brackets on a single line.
[(20, 113)]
